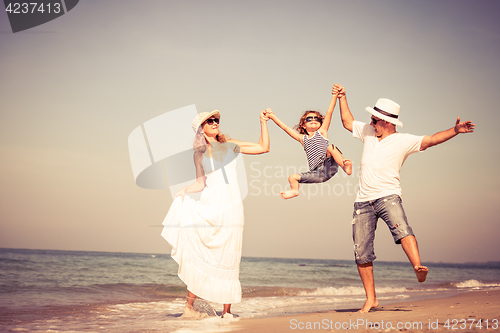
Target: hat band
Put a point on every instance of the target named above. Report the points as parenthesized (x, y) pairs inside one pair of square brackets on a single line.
[(385, 113)]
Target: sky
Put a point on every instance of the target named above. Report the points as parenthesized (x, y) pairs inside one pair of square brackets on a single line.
[(72, 90)]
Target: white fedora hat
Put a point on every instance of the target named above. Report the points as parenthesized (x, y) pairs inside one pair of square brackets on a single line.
[(201, 117), (387, 110)]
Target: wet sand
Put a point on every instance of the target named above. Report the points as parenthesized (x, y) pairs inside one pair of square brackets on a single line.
[(469, 312)]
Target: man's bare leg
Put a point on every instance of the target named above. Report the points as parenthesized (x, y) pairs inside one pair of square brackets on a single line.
[(366, 273), (409, 244)]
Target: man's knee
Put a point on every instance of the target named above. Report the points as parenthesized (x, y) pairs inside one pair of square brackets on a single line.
[(410, 239), (363, 254), (401, 233), (368, 264)]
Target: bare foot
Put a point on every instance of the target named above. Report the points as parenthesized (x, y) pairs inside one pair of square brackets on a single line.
[(368, 306), (227, 315), (347, 167), (189, 312), (421, 272), (289, 194)]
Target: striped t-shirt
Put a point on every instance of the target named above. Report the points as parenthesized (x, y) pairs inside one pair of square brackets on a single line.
[(315, 148)]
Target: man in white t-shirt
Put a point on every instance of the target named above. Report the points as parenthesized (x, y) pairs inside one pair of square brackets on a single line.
[(379, 195)]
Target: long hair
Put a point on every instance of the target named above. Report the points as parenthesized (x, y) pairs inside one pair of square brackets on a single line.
[(299, 128), (200, 143)]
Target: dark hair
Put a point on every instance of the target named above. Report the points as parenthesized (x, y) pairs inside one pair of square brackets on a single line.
[(299, 128)]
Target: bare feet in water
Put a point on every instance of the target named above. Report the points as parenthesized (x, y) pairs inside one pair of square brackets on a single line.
[(227, 315), (289, 194), (421, 272), (369, 304), (191, 312)]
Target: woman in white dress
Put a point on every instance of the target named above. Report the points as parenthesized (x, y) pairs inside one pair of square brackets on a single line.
[(206, 234)]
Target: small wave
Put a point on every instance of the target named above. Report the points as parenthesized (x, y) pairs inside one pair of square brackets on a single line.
[(151, 290), (474, 284), (331, 291), (271, 291)]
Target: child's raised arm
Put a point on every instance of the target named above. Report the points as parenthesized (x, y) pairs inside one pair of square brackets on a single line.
[(328, 117), (284, 127)]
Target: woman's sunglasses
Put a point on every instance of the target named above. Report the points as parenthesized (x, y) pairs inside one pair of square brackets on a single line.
[(210, 121), (308, 119), (374, 121)]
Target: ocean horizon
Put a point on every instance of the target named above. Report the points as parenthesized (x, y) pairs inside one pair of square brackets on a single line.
[(493, 262)]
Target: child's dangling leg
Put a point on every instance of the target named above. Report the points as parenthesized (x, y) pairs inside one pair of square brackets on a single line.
[(346, 165), (294, 184)]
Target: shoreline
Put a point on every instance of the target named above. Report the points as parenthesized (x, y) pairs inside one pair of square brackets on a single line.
[(455, 313)]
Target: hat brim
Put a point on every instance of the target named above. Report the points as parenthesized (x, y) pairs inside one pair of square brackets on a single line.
[(384, 117), (214, 113)]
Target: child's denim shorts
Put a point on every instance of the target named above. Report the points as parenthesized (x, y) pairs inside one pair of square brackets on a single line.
[(321, 173)]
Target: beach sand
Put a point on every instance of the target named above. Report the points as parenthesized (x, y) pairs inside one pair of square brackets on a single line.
[(461, 313)]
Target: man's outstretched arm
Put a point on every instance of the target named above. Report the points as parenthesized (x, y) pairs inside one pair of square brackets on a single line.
[(440, 137), (345, 113)]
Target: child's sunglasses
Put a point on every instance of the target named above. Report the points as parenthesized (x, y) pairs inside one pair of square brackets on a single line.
[(308, 119), (210, 121)]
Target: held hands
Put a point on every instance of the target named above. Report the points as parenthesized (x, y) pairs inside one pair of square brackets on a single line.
[(338, 90), (464, 127), (266, 114)]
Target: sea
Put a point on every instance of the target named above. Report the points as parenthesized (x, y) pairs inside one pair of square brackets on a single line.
[(75, 291)]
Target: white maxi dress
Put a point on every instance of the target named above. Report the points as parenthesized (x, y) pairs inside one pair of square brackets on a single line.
[(206, 235)]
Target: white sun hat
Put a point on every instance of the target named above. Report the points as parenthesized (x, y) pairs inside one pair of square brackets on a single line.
[(387, 110), (201, 117)]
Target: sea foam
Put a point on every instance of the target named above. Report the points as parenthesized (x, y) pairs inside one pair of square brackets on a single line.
[(475, 284), (332, 291)]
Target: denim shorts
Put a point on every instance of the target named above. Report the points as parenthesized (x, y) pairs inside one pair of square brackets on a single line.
[(321, 173), (364, 223)]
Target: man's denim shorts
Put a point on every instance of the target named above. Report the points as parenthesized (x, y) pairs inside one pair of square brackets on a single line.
[(321, 173), (364, 223)]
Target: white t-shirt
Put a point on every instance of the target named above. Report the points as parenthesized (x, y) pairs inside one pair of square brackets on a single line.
[(381, 161)]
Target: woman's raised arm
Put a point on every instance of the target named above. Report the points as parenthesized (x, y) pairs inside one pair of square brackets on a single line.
[(263, 146)]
